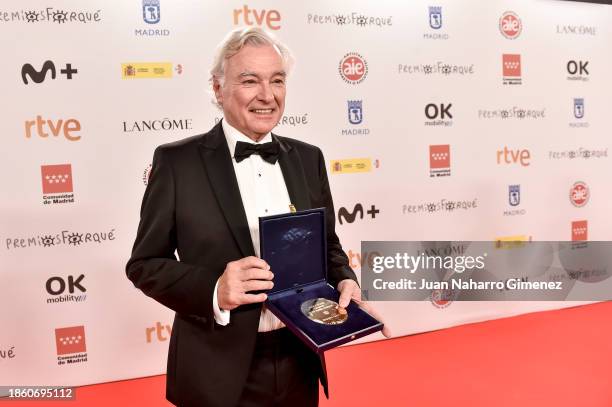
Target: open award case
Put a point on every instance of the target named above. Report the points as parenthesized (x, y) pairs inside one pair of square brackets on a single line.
[(295, 247)]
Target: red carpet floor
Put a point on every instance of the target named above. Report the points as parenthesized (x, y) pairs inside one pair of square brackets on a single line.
[(555, 358)]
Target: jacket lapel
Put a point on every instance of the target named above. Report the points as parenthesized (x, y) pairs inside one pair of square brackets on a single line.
[(218, 163), (293, 173)]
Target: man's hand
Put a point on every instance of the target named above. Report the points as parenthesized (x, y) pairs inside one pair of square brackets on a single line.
[(349, 290), (247, 274)]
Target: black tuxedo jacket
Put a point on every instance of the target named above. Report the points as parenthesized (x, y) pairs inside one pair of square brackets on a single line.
[(192, 204)]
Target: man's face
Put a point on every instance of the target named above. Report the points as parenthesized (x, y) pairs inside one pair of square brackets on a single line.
[(253, 94)]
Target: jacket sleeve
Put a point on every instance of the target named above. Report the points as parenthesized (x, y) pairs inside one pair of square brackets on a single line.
[(338, 267), (153, 268)]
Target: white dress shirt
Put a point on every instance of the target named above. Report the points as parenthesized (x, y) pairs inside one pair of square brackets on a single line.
[(263, 191)]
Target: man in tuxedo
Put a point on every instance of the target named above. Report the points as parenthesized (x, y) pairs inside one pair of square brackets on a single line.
[(203, 200)]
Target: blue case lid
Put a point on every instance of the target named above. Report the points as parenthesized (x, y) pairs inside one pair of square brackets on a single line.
[(295, 247)]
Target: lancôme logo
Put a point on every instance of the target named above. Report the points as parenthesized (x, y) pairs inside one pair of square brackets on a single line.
[(353, 68)]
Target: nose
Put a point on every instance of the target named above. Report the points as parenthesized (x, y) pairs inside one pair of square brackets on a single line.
[(265, 93)]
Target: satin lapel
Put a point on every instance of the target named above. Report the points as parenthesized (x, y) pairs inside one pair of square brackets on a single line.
[(222, 177), (293, 172)]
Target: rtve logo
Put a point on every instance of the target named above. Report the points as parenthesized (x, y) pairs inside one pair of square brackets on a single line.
[(66, 127), (159, 331), (27, 70), (270, 17), (509, 156), (357, 259), (433, 111)]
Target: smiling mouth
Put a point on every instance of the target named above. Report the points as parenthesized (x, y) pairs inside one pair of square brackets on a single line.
[(261, 111)]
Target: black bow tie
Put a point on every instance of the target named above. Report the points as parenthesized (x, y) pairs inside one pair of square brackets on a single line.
[(267, 151)]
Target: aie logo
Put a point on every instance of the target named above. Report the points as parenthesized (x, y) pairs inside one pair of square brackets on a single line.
[(579, 194), (355, 111), (349, 217), (443, 298), (510, 25), (57, 285), (151, 11), (353, 68), (27, 70)]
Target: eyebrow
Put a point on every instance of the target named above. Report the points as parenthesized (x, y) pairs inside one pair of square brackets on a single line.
[(247, 73)]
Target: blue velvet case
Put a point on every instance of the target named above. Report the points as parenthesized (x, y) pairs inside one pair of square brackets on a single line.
[(295, 247)]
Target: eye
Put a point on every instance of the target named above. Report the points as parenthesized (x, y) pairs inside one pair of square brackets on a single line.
[(279, 81)]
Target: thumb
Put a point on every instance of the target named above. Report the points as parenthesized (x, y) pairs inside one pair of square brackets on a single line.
[(366, 306), (345, 297)]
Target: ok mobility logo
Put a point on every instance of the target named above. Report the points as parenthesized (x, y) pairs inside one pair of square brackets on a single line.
[(38, 76), (57, 286)]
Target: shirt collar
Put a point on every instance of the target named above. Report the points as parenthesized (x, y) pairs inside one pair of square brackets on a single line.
[(232, 136)]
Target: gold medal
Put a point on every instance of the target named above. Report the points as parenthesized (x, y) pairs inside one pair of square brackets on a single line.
[(324, 311)]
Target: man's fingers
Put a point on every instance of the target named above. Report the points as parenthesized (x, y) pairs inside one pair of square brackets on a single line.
[(257, 285), (256, 274), (252, 262), (345, 296), (347, 290), (386, 331), (372, 311), (252, 298)]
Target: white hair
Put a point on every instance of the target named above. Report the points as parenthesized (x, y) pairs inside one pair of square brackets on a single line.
[(235, 40)]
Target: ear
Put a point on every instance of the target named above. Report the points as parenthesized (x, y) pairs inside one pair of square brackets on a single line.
[(217, 90)]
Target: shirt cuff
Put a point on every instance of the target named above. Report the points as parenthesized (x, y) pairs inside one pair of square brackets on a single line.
[(222, 317)]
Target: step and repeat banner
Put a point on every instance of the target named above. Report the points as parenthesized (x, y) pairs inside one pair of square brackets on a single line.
[(471, 120)]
